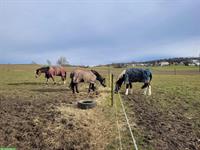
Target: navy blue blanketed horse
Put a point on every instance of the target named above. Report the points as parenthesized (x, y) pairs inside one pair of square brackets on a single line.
[(134, 75)]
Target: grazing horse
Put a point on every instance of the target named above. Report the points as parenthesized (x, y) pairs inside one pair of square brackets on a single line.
[(50, 72), (88, 76), (134, 75)]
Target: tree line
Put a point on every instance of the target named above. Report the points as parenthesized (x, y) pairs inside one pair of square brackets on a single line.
[(62, 61)]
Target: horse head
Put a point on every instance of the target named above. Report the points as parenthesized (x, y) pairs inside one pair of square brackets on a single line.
[(103, 82), (38, 73), (119, 82), (41, 70)]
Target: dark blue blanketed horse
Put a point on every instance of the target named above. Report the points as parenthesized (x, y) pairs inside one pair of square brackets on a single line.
[(134, 75)]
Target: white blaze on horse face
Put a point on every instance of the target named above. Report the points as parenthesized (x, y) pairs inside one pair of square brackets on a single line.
[(149, 90), (126, 92), (145, 91), (64, 82)]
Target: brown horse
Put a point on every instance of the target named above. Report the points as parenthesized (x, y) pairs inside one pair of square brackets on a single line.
[(88, 76), (50, 72)]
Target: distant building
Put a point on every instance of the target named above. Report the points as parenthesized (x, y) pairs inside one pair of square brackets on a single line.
[(141, 64), (191, 64), (196, 62), (133, 65), (164, 63)]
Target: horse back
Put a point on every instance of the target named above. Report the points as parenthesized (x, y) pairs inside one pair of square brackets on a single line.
[(80, 75), (57, 71), (138, 75)]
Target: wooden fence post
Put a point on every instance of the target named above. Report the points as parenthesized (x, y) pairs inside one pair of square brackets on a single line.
[(109, 77), (111, 87)]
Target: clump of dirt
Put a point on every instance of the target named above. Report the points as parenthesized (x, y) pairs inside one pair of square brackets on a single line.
[(162, 130), (52, 124)]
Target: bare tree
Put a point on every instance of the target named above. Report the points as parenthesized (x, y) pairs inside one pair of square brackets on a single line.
[(48, 62), (62, 61)]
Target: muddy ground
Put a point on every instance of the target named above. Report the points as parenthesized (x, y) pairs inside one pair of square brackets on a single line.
[(53, 124), (40, 117), (162, 130)]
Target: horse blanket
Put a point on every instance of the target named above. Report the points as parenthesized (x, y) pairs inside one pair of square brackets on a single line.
[(137, 75)]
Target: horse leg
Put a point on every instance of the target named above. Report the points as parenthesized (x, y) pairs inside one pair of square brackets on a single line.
[(145, 90), (127, 85), (89, 87), (53, 80), (63, 79), (93, 87), (47, 81), (149, 90), (72, 87), (76, 85), (46, 76), (131, 90)]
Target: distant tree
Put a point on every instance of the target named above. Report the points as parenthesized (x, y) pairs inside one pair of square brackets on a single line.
[(48, 62), (118, 65), (62, 61), (186, 62)]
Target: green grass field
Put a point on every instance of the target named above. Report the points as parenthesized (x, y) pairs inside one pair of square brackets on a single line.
[(169, 119)]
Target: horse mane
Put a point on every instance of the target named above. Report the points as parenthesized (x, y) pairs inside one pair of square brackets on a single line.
[(121, 74), (99, 77)]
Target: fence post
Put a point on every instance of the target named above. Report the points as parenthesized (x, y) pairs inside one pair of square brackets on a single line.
[(109, 77), (199, 62), (111, 87), (174, 71)]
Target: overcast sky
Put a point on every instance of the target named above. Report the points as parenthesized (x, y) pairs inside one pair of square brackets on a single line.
[(91, 32)]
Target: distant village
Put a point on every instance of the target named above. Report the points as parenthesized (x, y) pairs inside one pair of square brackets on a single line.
[(187, 61)]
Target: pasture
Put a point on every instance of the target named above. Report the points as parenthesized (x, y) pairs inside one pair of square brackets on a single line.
[(38, 116)]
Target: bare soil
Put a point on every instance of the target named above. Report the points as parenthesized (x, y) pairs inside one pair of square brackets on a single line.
[(52, 124), (160, 129)]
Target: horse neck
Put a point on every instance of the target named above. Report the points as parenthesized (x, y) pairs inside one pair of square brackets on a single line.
[(120, 80), (44, 70), (122, 74), (121, 77)]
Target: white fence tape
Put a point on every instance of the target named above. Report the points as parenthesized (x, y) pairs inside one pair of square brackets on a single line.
[(127, 120)]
